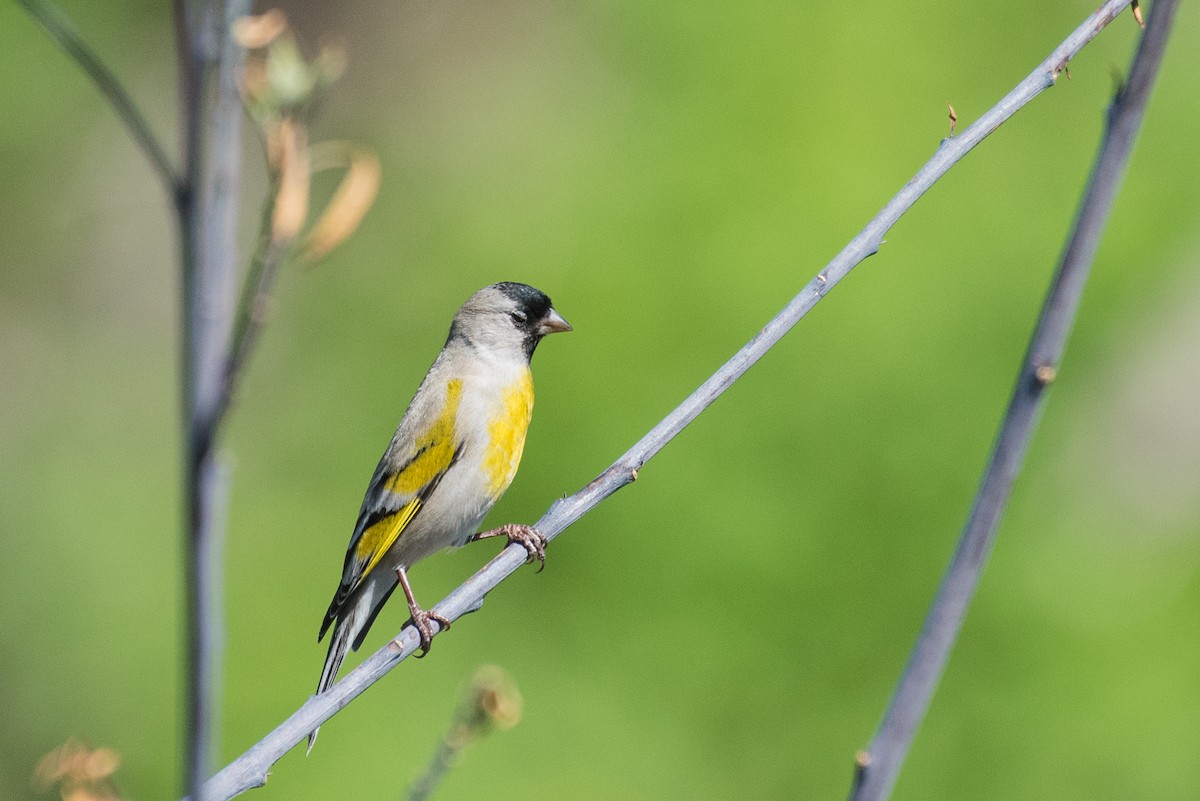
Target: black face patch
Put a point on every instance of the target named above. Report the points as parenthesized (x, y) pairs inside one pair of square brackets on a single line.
[(532, 307), (520, 305), (531, 303)]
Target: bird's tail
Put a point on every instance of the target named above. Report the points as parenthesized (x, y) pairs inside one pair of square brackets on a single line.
[(349, 622)]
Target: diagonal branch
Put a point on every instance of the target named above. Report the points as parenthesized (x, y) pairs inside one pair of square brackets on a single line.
[(56, 23), (879, 766), (250, 769), (253, 306)]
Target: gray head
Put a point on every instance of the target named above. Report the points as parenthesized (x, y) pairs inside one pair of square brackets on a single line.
[(507, 314)]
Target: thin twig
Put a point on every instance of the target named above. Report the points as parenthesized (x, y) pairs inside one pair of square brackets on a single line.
[(877, 769), (250, 769), (59, 27), (253, 305)]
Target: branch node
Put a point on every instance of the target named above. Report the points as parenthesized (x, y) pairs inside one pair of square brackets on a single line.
[(1045, 374), (862, 761)]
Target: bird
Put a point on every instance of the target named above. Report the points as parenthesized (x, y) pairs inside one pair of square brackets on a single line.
[(455, 452)]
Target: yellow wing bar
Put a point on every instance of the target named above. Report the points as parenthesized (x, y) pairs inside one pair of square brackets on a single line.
[(436, 451), (376, 540)]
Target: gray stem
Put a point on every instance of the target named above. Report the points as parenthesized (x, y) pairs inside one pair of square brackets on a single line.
[(879, 766), (207, 206)]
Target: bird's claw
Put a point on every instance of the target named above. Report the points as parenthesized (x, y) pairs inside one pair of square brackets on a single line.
[(423, 621), (528, 537)]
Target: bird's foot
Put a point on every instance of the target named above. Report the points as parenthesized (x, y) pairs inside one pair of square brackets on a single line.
[(424, 621), (528, 537)]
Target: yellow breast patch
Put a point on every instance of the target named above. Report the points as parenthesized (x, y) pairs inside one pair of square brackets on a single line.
[(506, 434)]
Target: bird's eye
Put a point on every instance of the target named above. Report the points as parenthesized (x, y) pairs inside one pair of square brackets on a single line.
[(518, 317)]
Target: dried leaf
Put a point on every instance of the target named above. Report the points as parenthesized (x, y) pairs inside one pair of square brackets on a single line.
[(953, 118), (80, 772), (330, 62), (254, 82), (100, 764), (350, 202), (49, 769), (66, 761), (291, 200), (256, 32)]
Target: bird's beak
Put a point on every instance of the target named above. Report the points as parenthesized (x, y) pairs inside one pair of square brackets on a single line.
[(553, 323)]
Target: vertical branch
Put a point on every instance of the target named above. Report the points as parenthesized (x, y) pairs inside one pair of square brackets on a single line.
[(206, 204), (878, 767), (204, 196)]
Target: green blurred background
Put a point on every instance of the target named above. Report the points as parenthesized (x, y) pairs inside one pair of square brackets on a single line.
[(671, 173)]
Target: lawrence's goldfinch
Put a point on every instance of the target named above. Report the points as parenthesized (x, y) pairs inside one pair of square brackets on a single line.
[(452, 457)]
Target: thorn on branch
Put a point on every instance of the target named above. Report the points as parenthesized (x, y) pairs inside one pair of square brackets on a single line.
[(953, 118), (1137, 14), (862, 761)]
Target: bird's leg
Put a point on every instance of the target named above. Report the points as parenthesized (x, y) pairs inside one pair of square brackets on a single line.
[(420, 618), (532, 540)]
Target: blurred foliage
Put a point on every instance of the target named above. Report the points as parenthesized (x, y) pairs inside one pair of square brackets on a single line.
[(670, 173)]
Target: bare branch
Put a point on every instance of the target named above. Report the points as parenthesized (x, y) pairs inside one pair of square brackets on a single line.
[(56, 23), (250, 769), (877, 769), (206, 204)]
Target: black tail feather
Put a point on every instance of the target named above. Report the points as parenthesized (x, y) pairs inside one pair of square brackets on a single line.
[(338, 645)]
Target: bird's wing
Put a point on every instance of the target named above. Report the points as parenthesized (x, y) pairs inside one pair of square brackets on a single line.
[(398, 491)]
